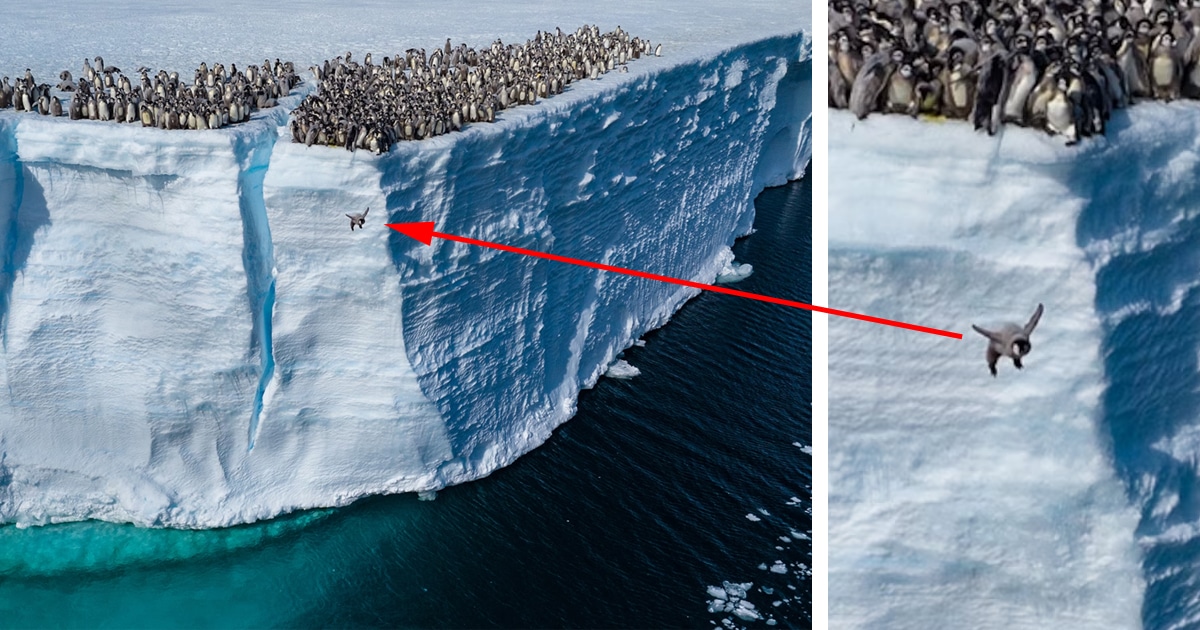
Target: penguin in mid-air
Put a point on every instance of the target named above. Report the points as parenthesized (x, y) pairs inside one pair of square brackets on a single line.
[(358, 219), (1010, 341)]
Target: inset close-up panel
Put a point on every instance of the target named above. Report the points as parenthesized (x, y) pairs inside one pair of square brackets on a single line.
[(1022, 174)]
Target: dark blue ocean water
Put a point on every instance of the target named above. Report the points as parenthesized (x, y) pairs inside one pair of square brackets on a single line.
[(685, 477)]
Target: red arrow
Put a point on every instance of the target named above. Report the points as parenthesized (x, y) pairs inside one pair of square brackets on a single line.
[(423, 231)]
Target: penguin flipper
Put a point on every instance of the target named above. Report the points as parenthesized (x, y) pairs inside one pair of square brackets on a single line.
[(1033, 321), (986, 333), (351, 217)]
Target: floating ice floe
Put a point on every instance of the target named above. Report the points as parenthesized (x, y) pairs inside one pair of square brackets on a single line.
[(731, 598), (622, 370), (734, 272)]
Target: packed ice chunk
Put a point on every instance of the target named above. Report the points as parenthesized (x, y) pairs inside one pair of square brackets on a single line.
[(622, 370), (734, 271)]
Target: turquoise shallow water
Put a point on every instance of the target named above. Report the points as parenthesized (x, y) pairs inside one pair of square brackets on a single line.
[(691, 474)]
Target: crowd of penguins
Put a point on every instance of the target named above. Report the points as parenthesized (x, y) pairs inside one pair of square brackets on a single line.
[(1056, 65), (214, 98), (418, 95), (355, 105)]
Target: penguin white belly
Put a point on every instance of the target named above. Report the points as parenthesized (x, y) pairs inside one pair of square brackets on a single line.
[(1059, 116), (1163, 71), (846, 66), (958, 91), (1015, 107), (900, 92)]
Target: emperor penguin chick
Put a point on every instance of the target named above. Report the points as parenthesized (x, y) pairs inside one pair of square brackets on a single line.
[(1022, 78), (902, 95), (869, 84), (1011, 341), (358, 219), (1060, 114), (989, 94), (1166, 69), (958, 85)]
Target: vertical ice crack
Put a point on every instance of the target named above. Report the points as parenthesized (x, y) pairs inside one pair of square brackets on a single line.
[(11, 260), (258, 257)]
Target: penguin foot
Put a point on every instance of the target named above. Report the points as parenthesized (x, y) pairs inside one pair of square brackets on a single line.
[(1017, 362)]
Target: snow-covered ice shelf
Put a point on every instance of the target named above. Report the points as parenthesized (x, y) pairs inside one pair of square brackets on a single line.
[(192, 337)]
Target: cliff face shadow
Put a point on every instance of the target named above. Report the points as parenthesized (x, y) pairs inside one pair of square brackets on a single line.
[(785, 138), (29, 214)]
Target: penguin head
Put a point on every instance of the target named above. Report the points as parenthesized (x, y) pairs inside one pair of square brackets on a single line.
[(1021, 347)]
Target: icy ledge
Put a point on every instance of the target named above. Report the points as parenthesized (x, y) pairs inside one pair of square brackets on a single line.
[(192, 336)]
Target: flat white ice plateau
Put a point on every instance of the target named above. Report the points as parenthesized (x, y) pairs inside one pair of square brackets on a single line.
[(193, 337)]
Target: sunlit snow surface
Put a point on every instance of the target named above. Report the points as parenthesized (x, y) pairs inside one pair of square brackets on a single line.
[(192, 336), (960, 500)]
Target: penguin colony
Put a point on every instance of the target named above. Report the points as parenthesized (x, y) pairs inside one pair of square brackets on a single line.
[(216, 97), (1056, 65), (415, 96)]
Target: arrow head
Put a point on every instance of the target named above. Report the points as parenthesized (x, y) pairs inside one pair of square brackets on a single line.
[(421, 230)]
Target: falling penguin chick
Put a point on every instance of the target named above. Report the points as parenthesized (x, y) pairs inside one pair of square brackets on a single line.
[(1010, 341), (358, 219)]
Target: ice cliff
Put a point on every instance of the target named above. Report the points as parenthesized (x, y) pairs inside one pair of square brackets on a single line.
[(1063, 495), (193, 337)]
